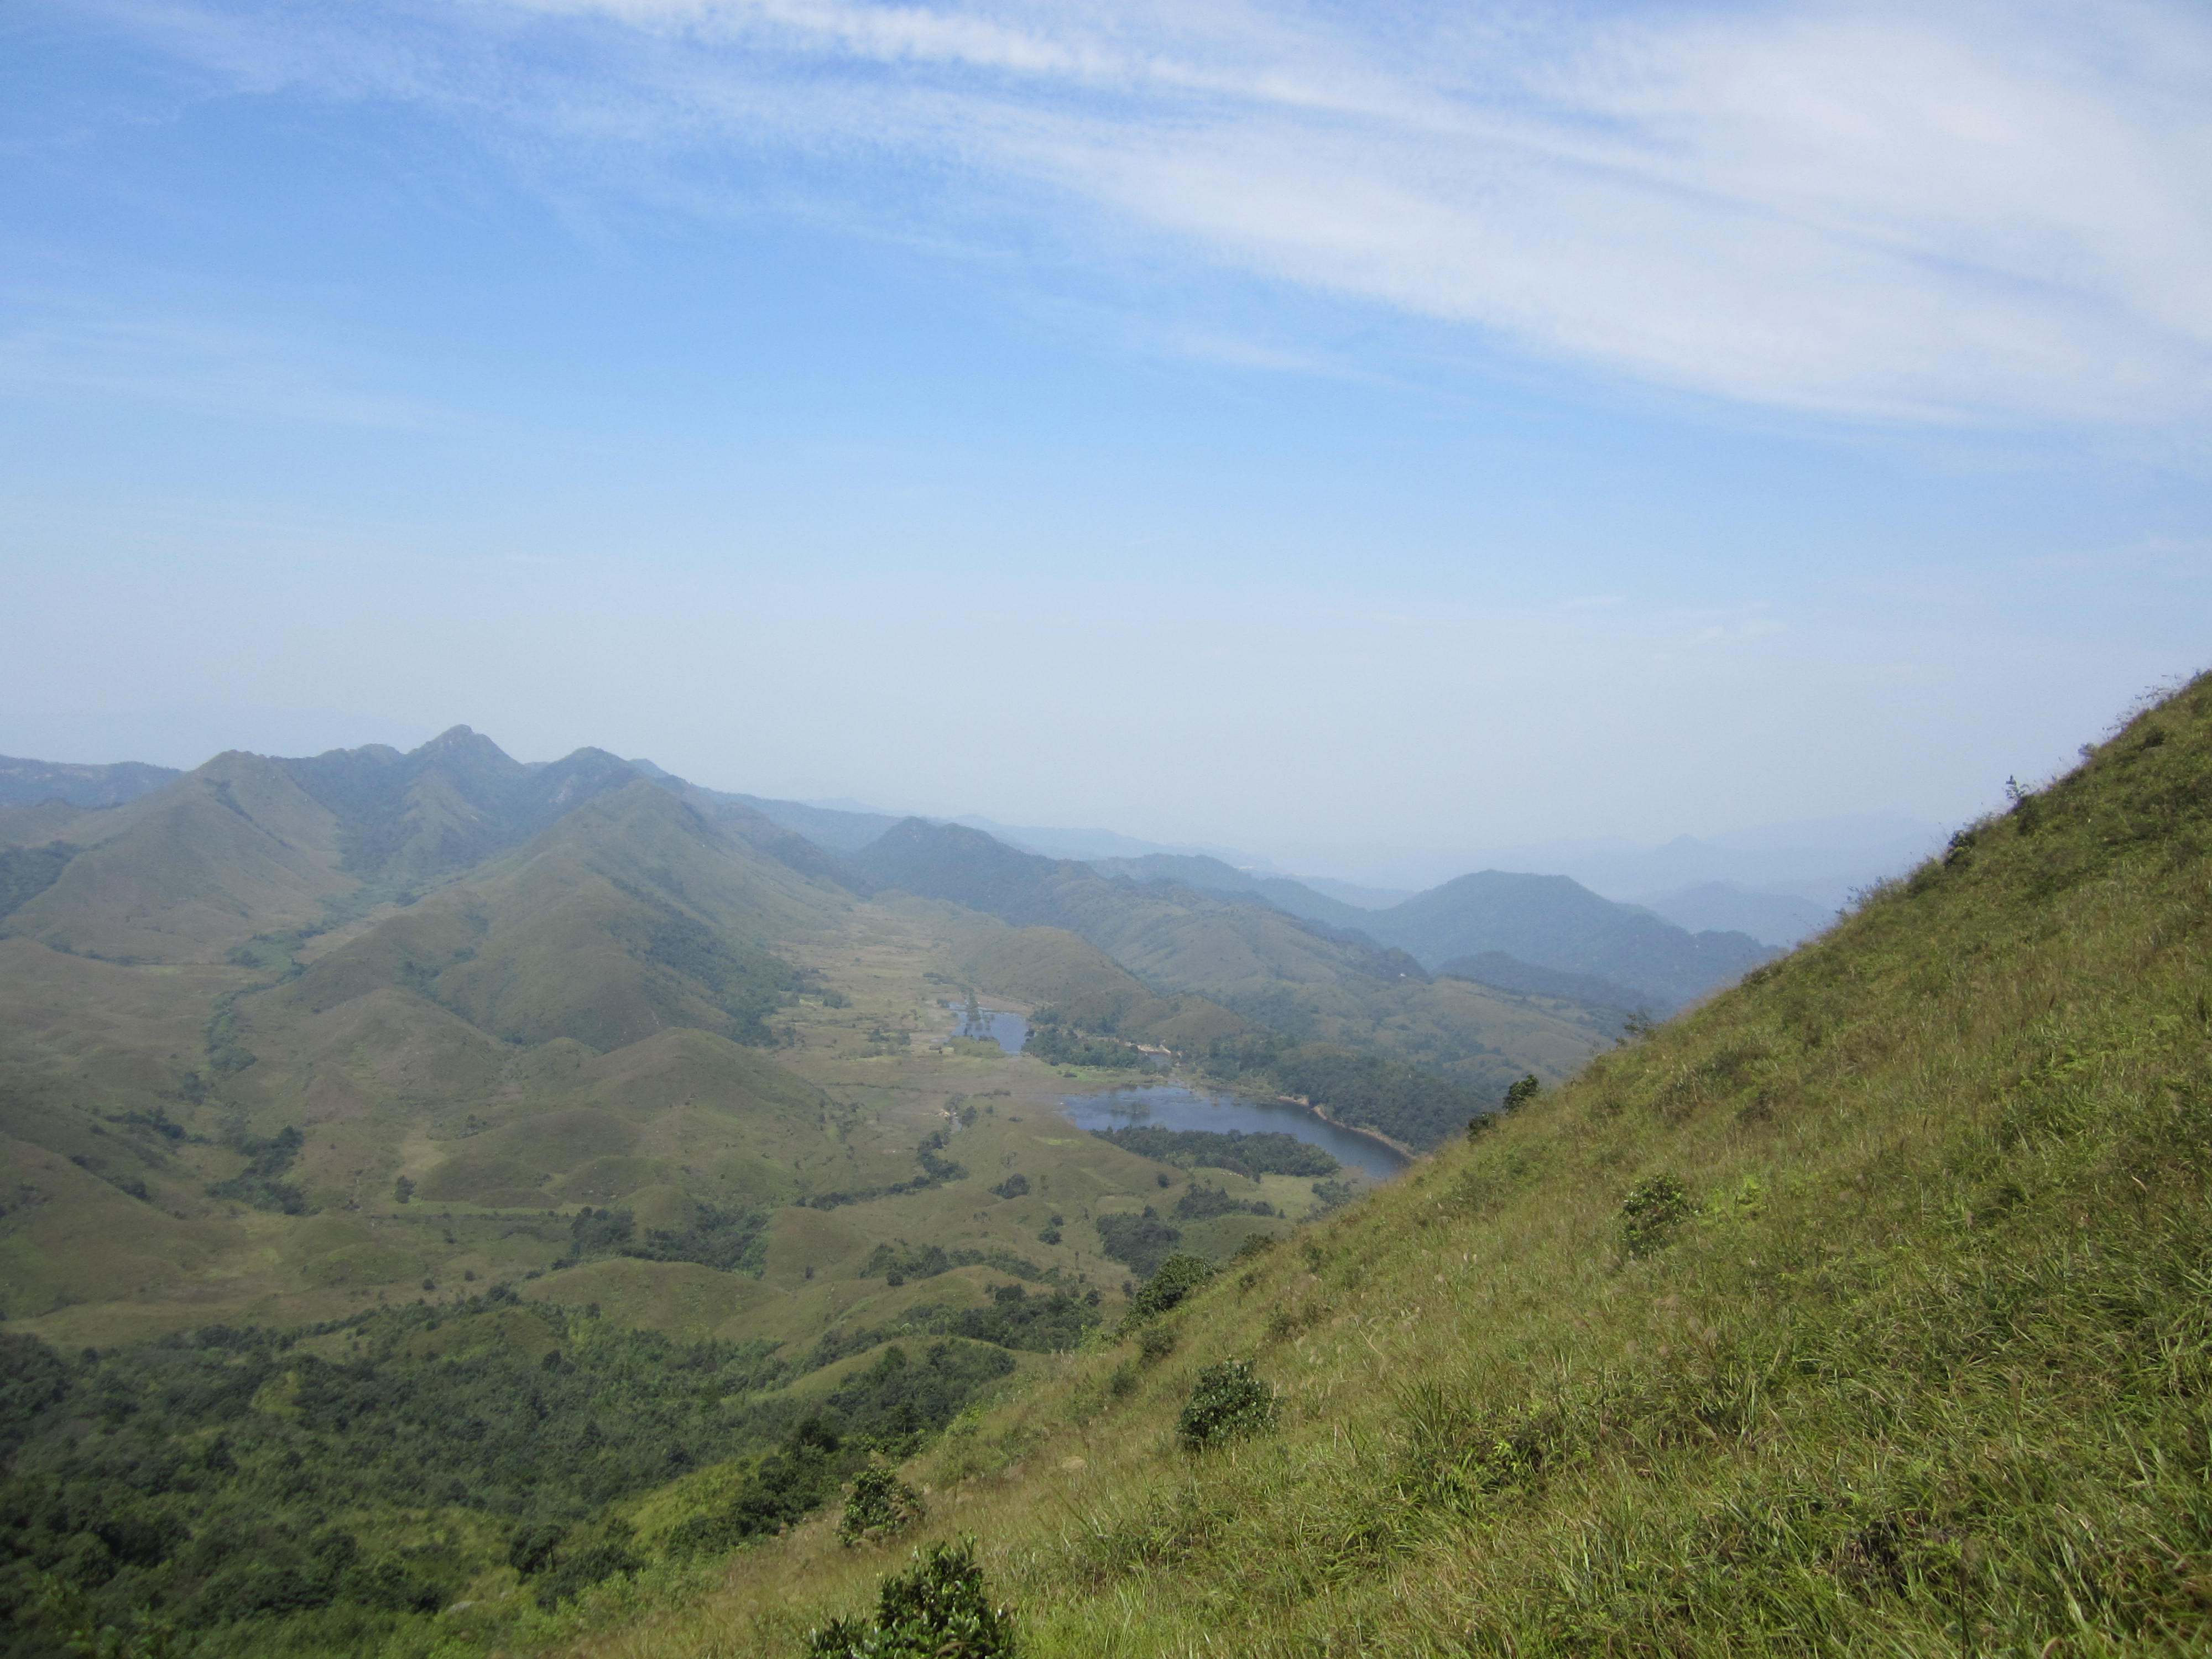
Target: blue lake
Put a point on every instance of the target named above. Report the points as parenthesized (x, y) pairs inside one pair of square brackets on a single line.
[(1166, 1106), (1009, 1030)]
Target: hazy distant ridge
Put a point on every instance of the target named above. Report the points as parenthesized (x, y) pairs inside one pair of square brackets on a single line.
[(30, 782)]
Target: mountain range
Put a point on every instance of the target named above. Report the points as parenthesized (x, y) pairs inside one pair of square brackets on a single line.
[(454, 1202), (318, 993)]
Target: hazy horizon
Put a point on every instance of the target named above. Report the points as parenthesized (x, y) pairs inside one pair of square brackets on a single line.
[(1859, 844), (1265, 425)]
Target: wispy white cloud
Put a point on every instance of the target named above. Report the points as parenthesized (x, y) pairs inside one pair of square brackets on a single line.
[(1980, 212)]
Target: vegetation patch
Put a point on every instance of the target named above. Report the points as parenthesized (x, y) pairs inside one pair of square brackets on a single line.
[(28, 872), (938, 1609), (899, 1261), (1654, 1213), (261, 1184), (1178, 1276), (1269, 1152), (1227, 1402), (729, 1240), (1143, 1241), (1055, 1039), (1365, 1092), (1201, 1202), (879, 1505), (330, 1487)]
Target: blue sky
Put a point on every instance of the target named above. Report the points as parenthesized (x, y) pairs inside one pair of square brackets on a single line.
[(1287, 426)]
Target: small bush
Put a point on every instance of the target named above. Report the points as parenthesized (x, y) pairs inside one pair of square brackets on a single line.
[(532, 1547), (1156, 1343), (938, 1610), (1226, 1402), (567, 1576), (1177, 1277), (879, 1505), (1654, 1213)]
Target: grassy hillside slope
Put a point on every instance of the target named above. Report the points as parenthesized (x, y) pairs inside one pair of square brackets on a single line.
[(1868, 1309), (191, 871)]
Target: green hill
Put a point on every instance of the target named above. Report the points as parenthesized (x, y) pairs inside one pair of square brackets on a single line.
[(1301, 981), (191, 871), (1547, 934), (1553, 922), (1864, 1310)]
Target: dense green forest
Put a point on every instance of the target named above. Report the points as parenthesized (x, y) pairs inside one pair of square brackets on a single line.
[(1058, 1040), (326, 1488)]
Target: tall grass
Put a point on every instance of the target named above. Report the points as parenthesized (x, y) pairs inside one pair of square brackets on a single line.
[(1923, 1365)]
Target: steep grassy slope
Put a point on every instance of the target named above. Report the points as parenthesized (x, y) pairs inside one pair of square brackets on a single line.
[(1866, 1310)]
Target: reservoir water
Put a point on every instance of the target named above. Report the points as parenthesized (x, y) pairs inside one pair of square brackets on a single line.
[(1166, 1106), (1008, 1031)]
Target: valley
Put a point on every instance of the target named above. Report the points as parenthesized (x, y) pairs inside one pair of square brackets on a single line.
[(346, 1100)]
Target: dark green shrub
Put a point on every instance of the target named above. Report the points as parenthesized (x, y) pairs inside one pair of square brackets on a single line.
[(1654, 1213), (1521, 1093), (878, 1505), (1143, 1241), (1226, 1402), (1156, 1343), (571, 1575), (1177, 1277), (938, 1610)]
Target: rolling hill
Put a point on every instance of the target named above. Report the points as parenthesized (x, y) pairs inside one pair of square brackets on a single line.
[(289, 1033), (1520, 933)]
